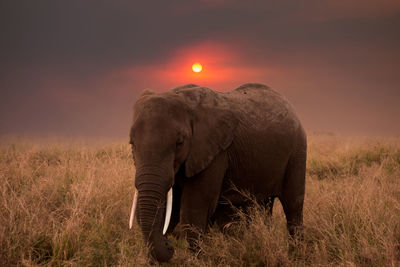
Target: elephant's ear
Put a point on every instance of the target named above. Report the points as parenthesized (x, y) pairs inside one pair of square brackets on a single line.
[(213, 131)]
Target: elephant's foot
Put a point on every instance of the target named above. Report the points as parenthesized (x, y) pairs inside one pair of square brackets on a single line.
[(296, 232), (193, 236)]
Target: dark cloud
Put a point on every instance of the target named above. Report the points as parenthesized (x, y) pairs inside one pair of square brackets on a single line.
[(77, 66)]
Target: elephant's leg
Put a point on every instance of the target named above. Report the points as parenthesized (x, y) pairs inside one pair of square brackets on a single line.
[(292, 196), (199, 199)]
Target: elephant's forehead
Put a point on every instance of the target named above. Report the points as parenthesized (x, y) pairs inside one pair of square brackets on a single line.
[(159, 113), (144, 127)]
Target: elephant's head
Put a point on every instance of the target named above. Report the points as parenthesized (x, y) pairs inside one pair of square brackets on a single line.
[(183, 129)]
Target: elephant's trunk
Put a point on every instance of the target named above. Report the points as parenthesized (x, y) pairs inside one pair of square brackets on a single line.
[(151, 208)]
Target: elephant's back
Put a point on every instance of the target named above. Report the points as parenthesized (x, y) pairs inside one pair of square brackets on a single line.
[(262, 108)]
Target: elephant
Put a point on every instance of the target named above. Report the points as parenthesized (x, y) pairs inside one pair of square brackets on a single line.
[(194, 149)]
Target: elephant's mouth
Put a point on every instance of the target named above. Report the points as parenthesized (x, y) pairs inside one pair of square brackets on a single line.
[(168, 210)]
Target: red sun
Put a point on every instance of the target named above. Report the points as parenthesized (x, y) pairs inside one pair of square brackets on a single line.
[(197, 67)]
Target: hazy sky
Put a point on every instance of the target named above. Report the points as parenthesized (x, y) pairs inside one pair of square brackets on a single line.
[(76, 67)]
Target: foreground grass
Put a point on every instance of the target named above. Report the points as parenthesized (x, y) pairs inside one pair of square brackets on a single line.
[(67, 203)]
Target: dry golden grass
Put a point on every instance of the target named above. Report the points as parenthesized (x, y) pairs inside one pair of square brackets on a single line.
[(67, 202)]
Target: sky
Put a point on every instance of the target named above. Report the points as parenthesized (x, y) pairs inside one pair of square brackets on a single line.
[(77, 67)]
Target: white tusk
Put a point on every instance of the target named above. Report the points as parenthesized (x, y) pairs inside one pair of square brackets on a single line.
[(168, 211), (133, 209)]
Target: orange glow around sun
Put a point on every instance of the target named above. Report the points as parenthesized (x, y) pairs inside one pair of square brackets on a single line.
[(197, 67)]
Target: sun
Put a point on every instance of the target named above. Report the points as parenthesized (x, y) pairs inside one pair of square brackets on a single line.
[(197, 67)]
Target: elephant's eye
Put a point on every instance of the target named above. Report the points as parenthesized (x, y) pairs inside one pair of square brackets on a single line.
[(180, 142)]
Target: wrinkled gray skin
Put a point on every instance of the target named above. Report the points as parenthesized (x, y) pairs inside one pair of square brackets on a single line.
[(200, 142)]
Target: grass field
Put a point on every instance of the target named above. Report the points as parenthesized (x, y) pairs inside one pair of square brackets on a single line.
[(67, 202)]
